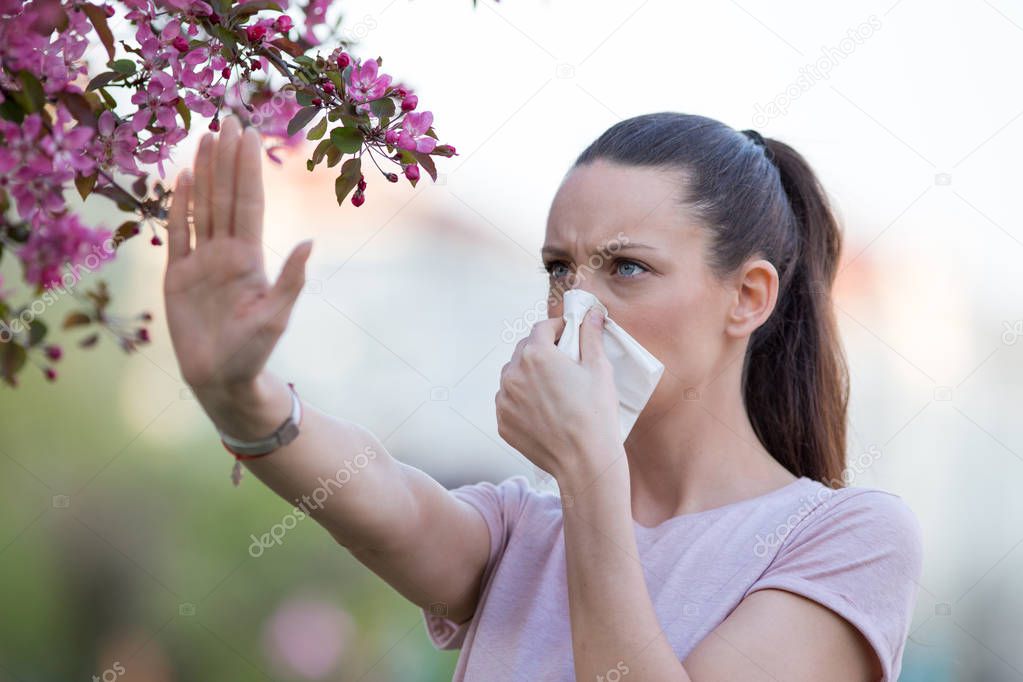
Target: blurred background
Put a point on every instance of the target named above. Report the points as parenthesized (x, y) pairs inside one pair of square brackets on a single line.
[(124, 548)]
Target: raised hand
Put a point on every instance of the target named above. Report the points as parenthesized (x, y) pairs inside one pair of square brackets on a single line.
[(224, 315)]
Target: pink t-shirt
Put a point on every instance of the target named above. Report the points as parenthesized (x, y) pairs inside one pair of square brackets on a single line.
[(855, 550)]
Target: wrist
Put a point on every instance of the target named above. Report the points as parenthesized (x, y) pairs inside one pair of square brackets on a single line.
[(249, 410), (606, 464)]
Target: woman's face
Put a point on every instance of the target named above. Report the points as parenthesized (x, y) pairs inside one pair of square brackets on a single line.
[(620, 233)]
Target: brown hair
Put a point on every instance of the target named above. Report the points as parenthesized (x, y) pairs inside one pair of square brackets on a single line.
[(762, 201)]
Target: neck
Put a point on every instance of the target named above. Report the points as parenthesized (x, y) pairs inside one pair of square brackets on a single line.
[(689, 455)]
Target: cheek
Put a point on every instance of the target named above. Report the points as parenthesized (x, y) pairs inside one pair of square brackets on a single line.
[(684, 335)]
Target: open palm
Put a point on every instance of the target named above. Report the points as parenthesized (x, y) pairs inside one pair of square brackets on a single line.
[(224, 315)]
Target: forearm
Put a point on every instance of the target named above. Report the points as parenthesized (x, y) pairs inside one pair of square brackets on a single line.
[(335, 470), (614, 626)]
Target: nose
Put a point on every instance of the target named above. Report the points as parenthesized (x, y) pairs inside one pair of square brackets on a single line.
[(555, 304)]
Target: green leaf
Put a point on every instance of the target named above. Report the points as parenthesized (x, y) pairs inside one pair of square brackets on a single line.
[(301, 119), (104, 79), (36, 332), (351, 172), (317, 131), (250, 8), (226, 36), (426, 162), (304, 97), (125, 67), (84, 184), (347, 140), (382, 107), (99, 21), (321, 151), (333, 156), (80, 107), (12, 360), (126, 231), (76, 319), (108, 99), (186, 113), (32, 92)]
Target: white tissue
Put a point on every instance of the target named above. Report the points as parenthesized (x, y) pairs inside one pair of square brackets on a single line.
[(636, 370)]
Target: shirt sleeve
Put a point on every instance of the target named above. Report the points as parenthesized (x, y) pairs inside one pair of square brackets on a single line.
[(500, 506), (861, 556)]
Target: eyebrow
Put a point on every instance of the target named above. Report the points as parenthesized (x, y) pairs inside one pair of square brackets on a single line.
[(558, 251)]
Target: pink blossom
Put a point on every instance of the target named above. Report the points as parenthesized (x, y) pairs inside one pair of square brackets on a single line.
[(206, 97), (159, 98), (59, 241), (315, 14), (69, 147), (157, 148), (366, 84), (38, 188), (114, 145), (413, 135)]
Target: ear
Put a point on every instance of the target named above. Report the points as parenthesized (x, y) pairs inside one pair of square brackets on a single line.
[(753, 298)]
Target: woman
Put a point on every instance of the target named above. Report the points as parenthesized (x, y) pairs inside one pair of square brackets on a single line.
[(718, 542)]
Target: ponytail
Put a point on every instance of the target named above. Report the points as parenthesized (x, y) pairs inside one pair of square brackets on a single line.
[(795, 382)]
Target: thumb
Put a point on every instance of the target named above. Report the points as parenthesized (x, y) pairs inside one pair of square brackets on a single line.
[(292, 278), (591, 337)]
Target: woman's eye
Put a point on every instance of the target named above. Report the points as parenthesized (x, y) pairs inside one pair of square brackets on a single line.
[(627, 264), (556, 269)]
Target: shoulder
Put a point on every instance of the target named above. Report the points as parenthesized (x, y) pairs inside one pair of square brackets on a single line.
[(858, 551), (861, 519)]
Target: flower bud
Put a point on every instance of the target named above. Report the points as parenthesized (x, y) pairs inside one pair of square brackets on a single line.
[(343, 60), (317, 101), (51, 375), (255, 33), (409, 103), (391, 136), (358, 198), (226, 73), (180, 44), (283, 24), (412, 171), (362, 182), (54, 352), (392, 177), (214, 125)]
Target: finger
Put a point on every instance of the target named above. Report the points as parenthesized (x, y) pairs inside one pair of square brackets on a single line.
[(177, 220), (545, 332), (225, 164), (202, 194), (517, 353), (248, 211), (292, 278), (591, 337)]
